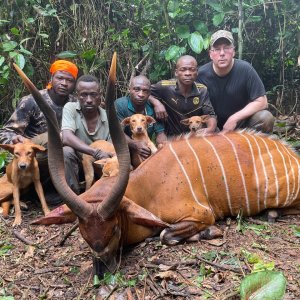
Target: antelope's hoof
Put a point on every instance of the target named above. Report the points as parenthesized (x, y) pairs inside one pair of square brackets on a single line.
[(272, 215)]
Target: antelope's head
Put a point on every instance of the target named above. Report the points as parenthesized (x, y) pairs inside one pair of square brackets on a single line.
[(98, 221)]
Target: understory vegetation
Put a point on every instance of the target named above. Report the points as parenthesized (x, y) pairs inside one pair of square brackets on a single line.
[(148, 36)]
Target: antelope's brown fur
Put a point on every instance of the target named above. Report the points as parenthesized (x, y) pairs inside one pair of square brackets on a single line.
[(182, 189)]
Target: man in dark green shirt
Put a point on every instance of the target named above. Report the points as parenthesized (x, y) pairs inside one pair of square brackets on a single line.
[(137, 103)]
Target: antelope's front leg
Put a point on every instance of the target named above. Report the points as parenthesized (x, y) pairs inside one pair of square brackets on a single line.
[(188, 231)]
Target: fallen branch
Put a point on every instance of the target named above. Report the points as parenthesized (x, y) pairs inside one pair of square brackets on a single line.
[(23, 239), (65, 237), (218, 266)]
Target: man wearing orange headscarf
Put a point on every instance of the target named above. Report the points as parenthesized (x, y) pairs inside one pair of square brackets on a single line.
[(27, 121)]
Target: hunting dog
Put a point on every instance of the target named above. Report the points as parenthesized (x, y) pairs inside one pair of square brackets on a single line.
[(138, 125), (88, 162), (195, 123), (20, 173)]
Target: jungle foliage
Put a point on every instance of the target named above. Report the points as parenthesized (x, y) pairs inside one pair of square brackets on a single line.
[(148, 36)]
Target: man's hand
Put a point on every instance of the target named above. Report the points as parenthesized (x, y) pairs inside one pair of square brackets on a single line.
[(99, 154), (230, 125), (141, 149), (17, 139), (160, 111)]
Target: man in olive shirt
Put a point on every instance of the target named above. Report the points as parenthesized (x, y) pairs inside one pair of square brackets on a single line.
[(83, 122)]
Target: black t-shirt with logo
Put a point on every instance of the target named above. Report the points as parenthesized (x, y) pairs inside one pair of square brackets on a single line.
[(231, 93), (179, 107)]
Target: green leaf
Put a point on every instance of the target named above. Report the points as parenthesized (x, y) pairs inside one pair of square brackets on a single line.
[(23, 50), (218, 19), (43, 35), (29, 20), (263, 286), (20, 60), (13, 54), (15, 31), (2, 59), (201, 27), (96, 281), (196, 42), (9, 46), (206, 42), (297, 231), (183, 31), (255, 18), (215, 6), (7, 298), (89, 54), (172, 52), (66, 54)]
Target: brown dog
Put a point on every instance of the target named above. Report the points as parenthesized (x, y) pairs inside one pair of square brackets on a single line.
[(87, 161), (195, 123), (20, 173), (138, 125)]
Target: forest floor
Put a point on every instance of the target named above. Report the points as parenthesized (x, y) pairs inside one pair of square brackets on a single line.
[(204, 270), (34, 264)]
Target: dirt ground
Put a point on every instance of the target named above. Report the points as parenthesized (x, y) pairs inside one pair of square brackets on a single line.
[(205, 270)]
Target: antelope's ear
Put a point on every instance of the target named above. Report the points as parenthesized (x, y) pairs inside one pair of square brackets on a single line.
[(150, 120), (140, 215), (60, 215), (126, 121), (8, 147), (185, 122)]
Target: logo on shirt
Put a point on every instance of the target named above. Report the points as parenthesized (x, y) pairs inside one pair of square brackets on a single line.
[(196, 100), (174, 100)]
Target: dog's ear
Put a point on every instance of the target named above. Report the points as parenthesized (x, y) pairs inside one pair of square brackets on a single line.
[(100, 162), (185, 122), (150, 120), (38, 148), (8, 147), (126, 121)]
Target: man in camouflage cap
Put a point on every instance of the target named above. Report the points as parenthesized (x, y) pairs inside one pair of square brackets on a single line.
[(236, 92)]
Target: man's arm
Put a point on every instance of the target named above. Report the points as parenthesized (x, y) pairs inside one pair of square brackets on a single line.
[(71, 140), (250, 109), (211, 124), (159, 108), (14, 128), (161, 138)]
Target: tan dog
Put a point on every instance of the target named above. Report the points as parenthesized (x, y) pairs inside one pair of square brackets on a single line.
[(20, 173), (87, 161), (138, 125), (110, 166), (195, 123)]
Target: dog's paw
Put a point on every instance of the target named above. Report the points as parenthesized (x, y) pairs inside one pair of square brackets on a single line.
[(17, 222)]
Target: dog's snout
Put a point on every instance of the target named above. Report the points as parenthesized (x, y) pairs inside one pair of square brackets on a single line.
[(139, 129), (22, 166)]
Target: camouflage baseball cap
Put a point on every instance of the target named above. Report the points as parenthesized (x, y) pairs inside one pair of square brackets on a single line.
[(221, 34)]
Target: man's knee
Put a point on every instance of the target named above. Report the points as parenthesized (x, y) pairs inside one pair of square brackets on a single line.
[(69, 153), (262, 121)]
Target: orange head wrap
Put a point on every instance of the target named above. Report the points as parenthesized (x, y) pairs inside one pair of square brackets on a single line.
[(63, 65)]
